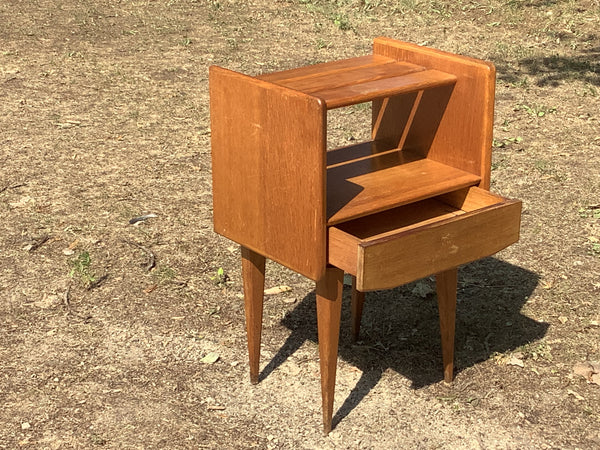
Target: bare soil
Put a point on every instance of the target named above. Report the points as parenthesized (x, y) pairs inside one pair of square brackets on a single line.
[(105, 326)]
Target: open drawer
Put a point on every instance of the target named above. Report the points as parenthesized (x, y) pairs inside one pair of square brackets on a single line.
[(404, 244)]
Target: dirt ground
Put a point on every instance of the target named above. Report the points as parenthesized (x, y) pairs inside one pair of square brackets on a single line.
[(109, 331)]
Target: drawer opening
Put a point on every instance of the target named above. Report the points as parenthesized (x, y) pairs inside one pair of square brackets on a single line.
[(403, 244)]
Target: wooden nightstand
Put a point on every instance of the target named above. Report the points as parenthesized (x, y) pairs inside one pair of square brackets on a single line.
[(412, 202)]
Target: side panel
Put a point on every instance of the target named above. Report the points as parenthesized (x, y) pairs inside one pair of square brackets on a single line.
[(268, 164), (463, 138)]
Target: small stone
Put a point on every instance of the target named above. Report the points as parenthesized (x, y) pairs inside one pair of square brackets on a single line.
[(25, 426)]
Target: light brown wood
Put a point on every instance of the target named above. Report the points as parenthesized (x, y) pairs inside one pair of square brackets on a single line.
[(386, 87), (358, 80), (335, 81), (464, 137), (357, 304), (268, 164), (381, 249), (469, 199), (357, 152), (331, 68), (329, 307), (346, 238), (441, 246), (446, 284), (387, 181), (392, 118), (253, 271)]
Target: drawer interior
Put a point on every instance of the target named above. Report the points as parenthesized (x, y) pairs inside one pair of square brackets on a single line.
[(419, 214)]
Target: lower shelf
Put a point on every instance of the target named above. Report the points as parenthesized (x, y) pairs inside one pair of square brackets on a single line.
[(383, 181), (404, 244)]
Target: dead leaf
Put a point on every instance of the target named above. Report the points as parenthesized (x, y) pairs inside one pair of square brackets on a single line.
[(150, 288), (277, 290), (515, 360), (589, 370), (548, 284), (215, 408), (584, 369), (210, 358), (562, 319)]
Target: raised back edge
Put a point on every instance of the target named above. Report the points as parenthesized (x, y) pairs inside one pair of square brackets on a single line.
[(464, 136)]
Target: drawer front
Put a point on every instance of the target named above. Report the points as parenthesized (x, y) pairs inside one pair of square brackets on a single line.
[(410, 254)]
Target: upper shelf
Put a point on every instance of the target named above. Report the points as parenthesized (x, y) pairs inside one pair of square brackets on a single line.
[(357, 80), (369, 185)]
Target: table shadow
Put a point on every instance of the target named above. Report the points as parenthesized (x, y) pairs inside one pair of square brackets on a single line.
[(400, 327)]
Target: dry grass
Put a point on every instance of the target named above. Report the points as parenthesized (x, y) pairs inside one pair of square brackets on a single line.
[(104, 112)]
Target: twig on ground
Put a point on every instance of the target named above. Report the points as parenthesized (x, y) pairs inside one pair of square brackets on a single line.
[(67, 298), (14, 186), (151, 258), (67, 303), (38, 243)]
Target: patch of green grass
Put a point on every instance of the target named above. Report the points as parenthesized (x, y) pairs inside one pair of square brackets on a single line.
[(537, 350), (321, 43), (595, 248), (537, 110), (589, 212), (522, 82), (81, 268), (507, 142), (588, 90), (164, 273), (220, 278), (442, 9), (342, 22)]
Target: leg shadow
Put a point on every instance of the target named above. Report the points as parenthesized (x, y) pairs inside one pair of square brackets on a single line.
[(400, 328)]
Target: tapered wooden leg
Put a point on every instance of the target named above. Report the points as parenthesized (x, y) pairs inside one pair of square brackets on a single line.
[(253, 272), (446, 292), (329, 307), (358, 300)]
